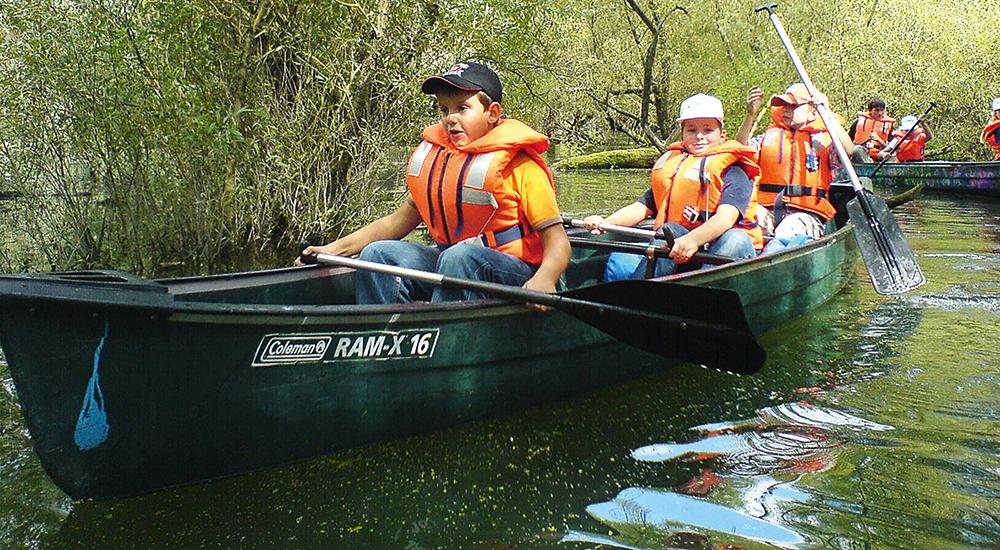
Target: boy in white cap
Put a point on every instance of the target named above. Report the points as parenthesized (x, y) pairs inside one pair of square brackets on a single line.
[(479, 184), (991, 133), (702, 189), (908, 141)]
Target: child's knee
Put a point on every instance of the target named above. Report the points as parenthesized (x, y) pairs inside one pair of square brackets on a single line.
[(460, 258), (377, 251), (735, 244)]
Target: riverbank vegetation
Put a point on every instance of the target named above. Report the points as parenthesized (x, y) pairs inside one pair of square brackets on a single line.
[(156, 136)]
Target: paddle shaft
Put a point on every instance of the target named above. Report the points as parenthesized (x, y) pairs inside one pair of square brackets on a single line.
[(565, 303), (821, 106), (906, 135), (881, 240), (703, 257), (644, 249)]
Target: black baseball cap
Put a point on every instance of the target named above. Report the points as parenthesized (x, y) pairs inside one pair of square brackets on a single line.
[(468, 76)]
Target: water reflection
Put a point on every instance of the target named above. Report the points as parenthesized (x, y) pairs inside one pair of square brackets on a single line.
[(755, 464), (825, 471), (665, 512)]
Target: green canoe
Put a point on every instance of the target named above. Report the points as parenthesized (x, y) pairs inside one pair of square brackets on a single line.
[(981, 178), (129, 385)]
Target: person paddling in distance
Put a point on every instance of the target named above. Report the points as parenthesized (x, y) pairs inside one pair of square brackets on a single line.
[(908, 142), (702, 190), (479, 184), (991, 133), (797, 160), (872, 128)]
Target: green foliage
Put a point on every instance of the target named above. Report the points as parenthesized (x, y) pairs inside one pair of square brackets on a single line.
[(205, 133), (153, 133), (906, 51)]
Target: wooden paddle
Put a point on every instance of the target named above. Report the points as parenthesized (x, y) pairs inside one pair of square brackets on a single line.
[(891, 264), (700, 257), (702, 325)]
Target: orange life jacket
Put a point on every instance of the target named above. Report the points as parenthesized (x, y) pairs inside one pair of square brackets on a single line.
[(798, 163), (680, 179), (460, 192), (910, 149), (866, 125), (991, 135)]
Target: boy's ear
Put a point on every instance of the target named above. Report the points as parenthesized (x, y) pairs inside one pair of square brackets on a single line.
[(494, 111)]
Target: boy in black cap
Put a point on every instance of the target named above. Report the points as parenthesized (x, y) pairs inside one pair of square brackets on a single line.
[(479, 184)]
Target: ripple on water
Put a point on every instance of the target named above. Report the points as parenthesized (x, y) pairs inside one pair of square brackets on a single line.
[(957, 301), (751, 467)]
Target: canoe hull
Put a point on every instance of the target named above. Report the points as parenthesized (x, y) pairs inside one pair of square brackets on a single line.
[(198, 388), (981, 178)]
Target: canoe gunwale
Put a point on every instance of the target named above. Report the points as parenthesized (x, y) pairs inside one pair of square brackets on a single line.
[(166, 296)]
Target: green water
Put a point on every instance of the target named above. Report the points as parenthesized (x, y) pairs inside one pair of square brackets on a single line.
[(899, 445)]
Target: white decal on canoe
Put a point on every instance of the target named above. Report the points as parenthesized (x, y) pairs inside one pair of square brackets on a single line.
[(379, 345)]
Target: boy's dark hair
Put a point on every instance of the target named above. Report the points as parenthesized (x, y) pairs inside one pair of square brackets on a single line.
[(484, 98), (876, 103)]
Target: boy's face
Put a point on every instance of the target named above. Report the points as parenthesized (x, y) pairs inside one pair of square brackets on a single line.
[(698, 134), (464, 116), (796, 116), (878, 113)]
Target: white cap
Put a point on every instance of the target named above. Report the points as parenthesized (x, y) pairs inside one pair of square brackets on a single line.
[(908, 121), (996, 104), (701, 106)]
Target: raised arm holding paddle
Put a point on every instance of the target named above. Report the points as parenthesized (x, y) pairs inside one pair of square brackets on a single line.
[(891, 264)]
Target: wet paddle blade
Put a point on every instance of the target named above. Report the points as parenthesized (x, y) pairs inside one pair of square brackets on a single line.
[(700, 325), (891, 264)]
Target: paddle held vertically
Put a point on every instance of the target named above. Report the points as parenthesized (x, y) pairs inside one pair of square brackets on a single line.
[(891, 264)]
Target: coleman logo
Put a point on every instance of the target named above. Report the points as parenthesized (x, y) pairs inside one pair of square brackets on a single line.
[(288, 349), (276, 349)]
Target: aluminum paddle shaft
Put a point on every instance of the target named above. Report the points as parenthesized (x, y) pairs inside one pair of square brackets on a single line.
[(701, 325), (891, 264)]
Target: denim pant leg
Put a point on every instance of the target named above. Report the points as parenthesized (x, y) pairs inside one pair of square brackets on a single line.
[(377, 288), (664, 266), (471, 261), (734, 243)]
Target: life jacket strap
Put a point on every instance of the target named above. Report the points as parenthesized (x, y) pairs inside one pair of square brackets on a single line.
[(771, 187), (802, 191), (494, 239)]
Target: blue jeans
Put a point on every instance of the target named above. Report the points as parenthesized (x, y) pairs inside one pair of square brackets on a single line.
[(466, 261), (734, 243)]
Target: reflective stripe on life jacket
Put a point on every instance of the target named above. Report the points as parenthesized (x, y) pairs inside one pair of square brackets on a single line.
[(464, 192), (866, 125), (798, 163), (910, 149), (991, 135), (680, 179)]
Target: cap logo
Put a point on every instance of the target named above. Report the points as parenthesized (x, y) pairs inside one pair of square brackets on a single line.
[(456, 70)]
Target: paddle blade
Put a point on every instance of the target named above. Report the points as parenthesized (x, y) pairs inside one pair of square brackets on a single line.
[(701, 325), (891, 264)]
